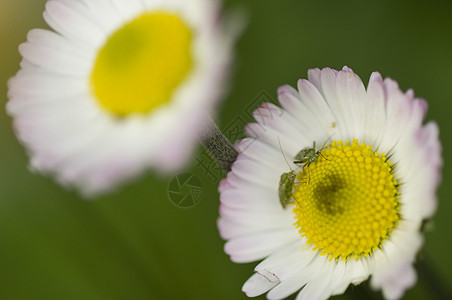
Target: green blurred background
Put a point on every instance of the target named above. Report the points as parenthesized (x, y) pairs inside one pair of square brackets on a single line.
[(135, 244)]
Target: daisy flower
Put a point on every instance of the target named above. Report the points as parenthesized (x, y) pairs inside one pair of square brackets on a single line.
[(118, 86), (358, 198)]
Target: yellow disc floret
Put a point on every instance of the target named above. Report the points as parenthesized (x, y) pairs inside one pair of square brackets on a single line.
[(347, 201), (142, 63)]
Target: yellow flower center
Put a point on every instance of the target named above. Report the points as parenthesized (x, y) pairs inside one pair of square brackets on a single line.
[(142, 63), (347, 201)]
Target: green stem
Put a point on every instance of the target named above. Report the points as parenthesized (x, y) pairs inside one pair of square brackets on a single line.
[(218, 145)]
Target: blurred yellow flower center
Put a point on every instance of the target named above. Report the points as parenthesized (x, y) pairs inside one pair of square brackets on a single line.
[(142, 64), (347, 201)]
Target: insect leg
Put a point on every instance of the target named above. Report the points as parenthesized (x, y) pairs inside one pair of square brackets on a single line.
[(320, 153), (306, 165)]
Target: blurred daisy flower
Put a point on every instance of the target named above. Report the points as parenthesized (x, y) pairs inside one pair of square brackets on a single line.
[(357, 203), (120, 85)]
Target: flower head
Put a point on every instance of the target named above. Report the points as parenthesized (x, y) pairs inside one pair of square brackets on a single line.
[(365, 172), (119, 86)]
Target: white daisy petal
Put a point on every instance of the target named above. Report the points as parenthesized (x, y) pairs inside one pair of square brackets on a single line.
[(46, 87), (304, 275), (352, 209), (290, 285), (69, 21), (357, 271), (289, 99), (257, 285), (54, 60), (350, 89), (111, 16), (287, 261), (339, 281), (293, 103), (318, 287), (374, 110), (127, 8), (264, 154), (52, 39), (239, 198), (340, 109), (258, 246), (269, 115), (96, 102), (247, 168), (272, 136), (317, 106), (255, 218), (230, 228), (402, 279), (224, 185)]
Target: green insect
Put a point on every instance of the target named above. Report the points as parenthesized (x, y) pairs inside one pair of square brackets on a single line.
[(286, 183), (308, 155)]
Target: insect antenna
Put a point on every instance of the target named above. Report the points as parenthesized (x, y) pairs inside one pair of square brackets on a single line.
[(280, 147), (320, 153), (306, 165)]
